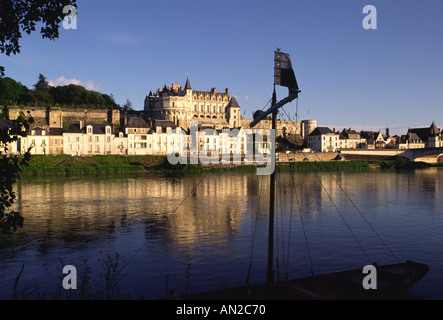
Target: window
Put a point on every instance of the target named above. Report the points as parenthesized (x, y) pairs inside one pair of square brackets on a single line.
[(97, 138)]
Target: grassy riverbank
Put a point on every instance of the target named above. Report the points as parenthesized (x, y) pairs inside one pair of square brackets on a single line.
[(65, 165)]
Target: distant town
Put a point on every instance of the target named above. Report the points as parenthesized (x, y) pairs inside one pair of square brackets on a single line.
[(83, 132)]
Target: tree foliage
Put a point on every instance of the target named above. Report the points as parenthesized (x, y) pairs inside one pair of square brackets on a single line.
[(74, 96), (17, 16), (10, 166), (258, 113)]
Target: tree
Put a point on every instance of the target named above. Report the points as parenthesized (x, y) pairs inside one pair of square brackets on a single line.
[(11, 92), (17, 17), (127, 106), (42, 85), (258, 113), (10, 167)]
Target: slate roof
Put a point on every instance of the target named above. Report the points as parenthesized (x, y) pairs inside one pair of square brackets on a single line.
[(74, 128), (134, 122), (425, 133), (55, 131), (347, 133), (188, 85), (37, 131), (321, 130), (233, 103), (413, 137), (97, 128)]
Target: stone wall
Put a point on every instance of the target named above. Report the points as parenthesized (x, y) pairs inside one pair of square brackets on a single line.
[(64, 117)]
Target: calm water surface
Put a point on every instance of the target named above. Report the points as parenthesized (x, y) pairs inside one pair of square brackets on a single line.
[(191, 234)]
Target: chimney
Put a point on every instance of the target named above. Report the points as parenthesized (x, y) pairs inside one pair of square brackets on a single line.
[(227, 91), (81, 124), (214, 90)]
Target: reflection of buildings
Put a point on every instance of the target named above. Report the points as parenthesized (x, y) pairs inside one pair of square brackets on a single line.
[(71, 209), (89, 206)]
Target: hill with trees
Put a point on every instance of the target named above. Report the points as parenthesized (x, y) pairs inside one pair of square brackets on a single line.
[(13, 93)]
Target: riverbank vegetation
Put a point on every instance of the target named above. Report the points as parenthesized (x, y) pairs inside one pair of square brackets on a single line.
[(68, 165), (65, 164)]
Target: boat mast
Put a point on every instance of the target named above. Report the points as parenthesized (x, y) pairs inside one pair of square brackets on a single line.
[(283, 76), (270, 272)]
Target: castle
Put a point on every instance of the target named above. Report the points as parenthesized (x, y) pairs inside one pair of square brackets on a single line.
[(218, 110), (182, 105)]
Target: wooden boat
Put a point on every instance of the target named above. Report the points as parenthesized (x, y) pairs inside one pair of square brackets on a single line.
[(393, 281)]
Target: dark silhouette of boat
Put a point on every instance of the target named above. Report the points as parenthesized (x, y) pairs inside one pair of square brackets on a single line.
[(393, 282)]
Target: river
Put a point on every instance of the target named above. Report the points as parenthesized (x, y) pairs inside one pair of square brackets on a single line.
[(197, 233)]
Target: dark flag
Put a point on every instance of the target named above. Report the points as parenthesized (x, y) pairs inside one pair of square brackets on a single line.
[(283, 73)]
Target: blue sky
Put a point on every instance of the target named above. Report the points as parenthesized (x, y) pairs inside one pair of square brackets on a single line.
[(349, 77)]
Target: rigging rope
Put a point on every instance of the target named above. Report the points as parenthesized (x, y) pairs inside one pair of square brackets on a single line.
[(361, 214), (349, 198), (254, 230), (343, 219)]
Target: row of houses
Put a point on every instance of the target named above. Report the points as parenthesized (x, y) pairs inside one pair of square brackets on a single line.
[(323, 139), (136, 137)]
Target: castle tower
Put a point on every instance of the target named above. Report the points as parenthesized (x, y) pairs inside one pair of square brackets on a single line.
[(233, 113)]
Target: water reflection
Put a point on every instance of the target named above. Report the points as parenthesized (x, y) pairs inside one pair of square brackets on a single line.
[(214, 222)]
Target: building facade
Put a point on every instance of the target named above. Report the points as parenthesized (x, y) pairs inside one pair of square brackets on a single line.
[(182, 105)]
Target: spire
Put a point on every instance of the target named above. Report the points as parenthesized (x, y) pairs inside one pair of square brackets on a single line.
[(233, 103), (188, 84)]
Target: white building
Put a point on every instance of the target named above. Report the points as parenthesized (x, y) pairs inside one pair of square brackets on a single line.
[(323, 139)]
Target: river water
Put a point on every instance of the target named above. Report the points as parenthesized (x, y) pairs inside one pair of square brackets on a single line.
[(204, 232)]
